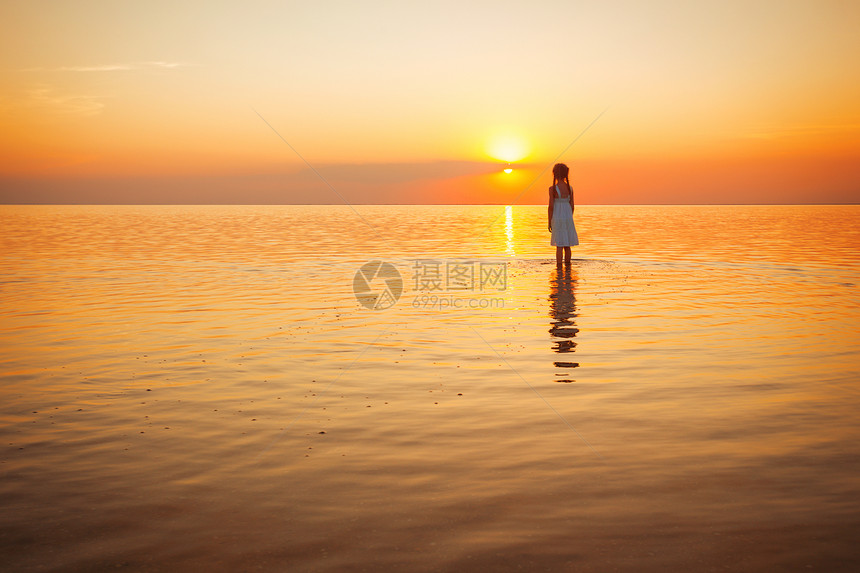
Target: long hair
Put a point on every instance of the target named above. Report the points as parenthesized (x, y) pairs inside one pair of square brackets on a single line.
[(561, 172)]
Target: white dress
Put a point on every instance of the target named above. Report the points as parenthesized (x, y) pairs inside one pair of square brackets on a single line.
[(563, 229)]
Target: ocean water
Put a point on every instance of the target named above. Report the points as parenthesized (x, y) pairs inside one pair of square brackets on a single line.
[(199, 388)]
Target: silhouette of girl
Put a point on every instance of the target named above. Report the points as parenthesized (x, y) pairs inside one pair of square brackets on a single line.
[(560, 213)]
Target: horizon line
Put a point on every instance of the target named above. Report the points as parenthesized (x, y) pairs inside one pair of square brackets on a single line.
[(426, 204)]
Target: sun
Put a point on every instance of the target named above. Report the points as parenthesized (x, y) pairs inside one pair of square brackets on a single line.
[(507, 148)]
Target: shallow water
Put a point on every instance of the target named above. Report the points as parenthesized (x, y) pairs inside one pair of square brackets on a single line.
[(198, 388)]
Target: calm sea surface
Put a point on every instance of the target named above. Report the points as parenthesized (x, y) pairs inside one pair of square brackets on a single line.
[(199, 388)]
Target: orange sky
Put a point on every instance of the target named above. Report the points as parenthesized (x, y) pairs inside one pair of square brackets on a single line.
[(157, 102)]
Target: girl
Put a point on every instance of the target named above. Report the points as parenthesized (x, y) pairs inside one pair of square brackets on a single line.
[(560, 213)]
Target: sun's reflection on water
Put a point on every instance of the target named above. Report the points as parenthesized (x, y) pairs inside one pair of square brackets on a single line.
[(509, 231)]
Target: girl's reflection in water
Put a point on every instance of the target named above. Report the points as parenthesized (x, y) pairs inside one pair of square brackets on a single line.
[(562, 309)]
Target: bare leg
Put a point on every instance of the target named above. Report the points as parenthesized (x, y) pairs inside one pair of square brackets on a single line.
[(567, 255), (558, 256)]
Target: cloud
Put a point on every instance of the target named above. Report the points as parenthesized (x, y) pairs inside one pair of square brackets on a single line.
[(377, 183), (56, 100), (106, 68), (71, 104), (782, 132), (386, 173), (114, 67), (170, 65)]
